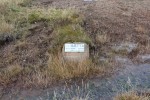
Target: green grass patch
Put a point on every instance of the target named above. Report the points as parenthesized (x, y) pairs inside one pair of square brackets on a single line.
[(16, 19), (54, 16), (68, 33)]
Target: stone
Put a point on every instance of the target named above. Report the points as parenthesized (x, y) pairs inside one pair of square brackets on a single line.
[(77, 51)]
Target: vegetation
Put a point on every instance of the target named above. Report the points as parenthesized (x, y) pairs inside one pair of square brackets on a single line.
[(42, 77), (67, 28), (69, 70), (13, 18), (10, 74), (32, 39), (68, 33), (131, 96)]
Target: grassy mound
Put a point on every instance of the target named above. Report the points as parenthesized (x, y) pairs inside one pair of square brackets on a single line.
[(33, 60)]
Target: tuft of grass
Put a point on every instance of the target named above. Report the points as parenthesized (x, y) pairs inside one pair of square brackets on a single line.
[(68, 70), (130, 96)]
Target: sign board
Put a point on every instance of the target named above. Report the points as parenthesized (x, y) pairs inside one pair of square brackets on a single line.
[(77, 51), (72, 47)]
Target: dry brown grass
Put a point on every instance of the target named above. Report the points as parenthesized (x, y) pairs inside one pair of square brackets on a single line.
[(37, 78), (6, 27), (67, 70), (57, 70), (130, 96), (10, 74)]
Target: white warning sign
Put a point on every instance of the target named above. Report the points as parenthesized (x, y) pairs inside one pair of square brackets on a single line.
[(72, 47)]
